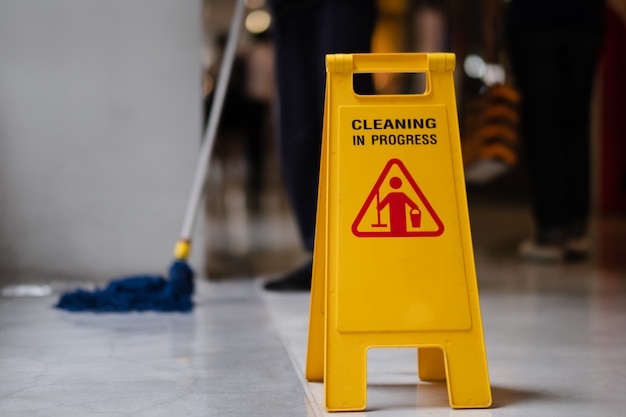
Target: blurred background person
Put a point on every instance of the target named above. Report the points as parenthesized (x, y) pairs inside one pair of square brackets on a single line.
[(246, 107), (553, 48)]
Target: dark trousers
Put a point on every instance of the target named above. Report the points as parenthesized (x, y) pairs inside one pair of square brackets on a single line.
[(305, 31), (554, 72)]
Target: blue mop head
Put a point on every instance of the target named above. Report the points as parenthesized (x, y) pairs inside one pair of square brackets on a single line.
[(138, 293)]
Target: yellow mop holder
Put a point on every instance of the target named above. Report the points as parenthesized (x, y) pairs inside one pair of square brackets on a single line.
[(393, 263)]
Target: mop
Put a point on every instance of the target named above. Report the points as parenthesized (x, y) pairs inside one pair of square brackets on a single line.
[(154, 292)]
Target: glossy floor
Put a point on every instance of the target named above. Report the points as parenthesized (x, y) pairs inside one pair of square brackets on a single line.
[(555, 337)]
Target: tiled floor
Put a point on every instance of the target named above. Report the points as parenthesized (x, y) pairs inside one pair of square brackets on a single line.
[(555, 337)]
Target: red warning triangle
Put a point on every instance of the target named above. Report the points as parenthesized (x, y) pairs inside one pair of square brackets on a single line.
[(396, 207)]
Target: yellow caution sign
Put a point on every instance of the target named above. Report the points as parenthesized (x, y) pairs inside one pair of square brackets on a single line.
[(393, 260)]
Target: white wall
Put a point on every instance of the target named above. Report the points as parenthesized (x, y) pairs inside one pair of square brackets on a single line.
[(100, 122)]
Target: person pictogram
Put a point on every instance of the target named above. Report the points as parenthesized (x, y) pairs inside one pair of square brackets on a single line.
[(398, 202), (396, 207)]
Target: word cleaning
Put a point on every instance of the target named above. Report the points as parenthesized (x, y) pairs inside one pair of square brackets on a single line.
[(407, 131)]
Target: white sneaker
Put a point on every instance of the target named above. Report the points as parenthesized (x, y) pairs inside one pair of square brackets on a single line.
[(530, 250)]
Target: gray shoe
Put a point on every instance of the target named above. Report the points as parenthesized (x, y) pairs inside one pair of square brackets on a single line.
[(576, 249), (530, 250)]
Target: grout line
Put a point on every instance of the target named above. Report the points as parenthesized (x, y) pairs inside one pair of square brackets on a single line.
[(309, 395)]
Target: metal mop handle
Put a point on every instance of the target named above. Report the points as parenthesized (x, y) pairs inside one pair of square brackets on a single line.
[(183, 246)]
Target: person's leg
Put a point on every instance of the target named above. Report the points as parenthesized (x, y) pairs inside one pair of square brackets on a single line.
[(538, 72), (299, 71), (582, 53), (299, 124), (303, 37)]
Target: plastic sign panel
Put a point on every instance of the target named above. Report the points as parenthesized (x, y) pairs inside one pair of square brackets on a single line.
[(393, 263)]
